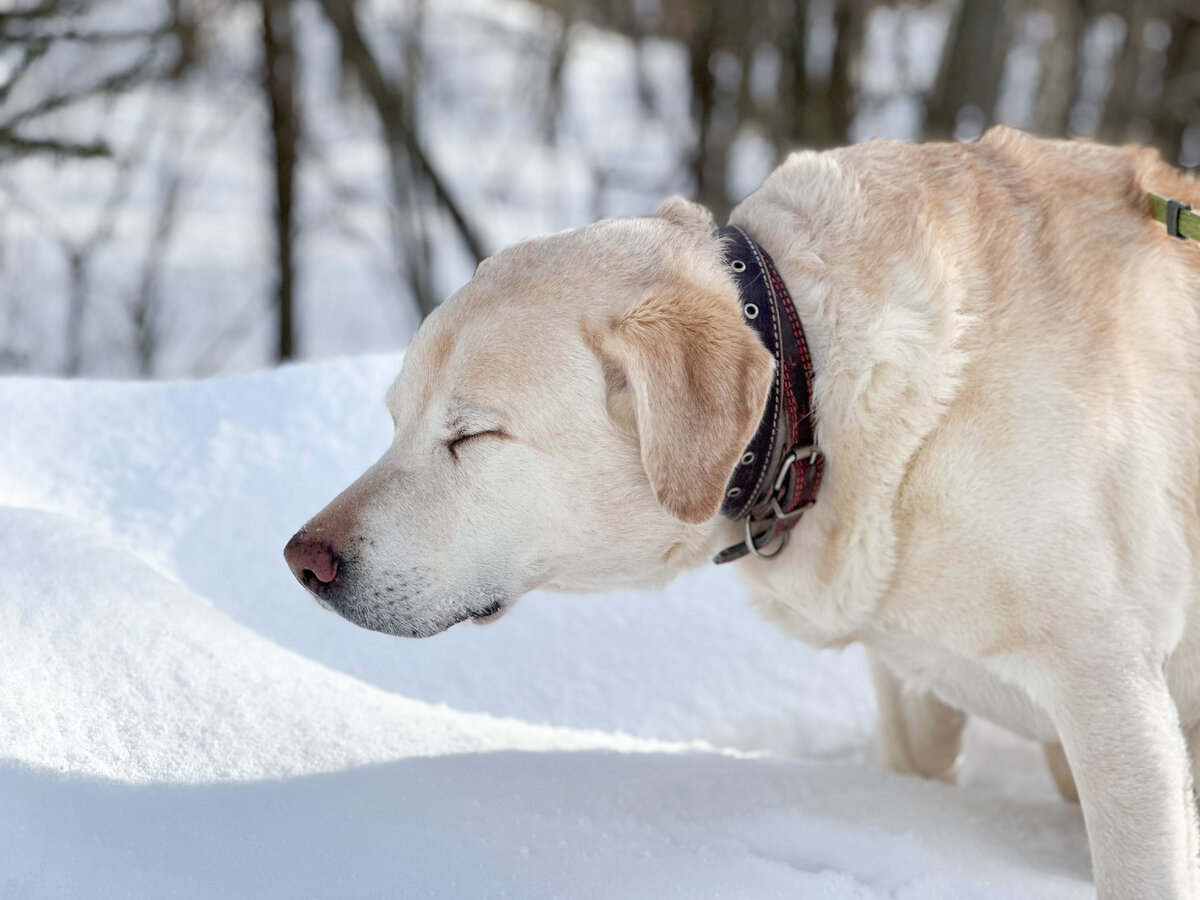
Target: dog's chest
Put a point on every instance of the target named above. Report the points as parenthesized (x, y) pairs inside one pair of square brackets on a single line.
[(962, 683)]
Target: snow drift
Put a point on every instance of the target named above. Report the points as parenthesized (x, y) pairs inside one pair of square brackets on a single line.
[(178, 717)]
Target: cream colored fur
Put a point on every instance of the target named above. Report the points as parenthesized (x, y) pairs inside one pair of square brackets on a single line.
[(1007, 358)]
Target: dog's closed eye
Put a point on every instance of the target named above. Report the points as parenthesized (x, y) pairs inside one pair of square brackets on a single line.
[(458, 440)]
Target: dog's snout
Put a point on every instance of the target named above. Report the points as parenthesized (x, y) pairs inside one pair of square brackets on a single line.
[(312, 559)]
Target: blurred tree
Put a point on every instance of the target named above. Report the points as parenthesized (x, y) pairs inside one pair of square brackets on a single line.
[(279, 85), (817, 48), (416, 181), (32, 32), (1121, 110), (34, 38), (972, 64), (708, 84)]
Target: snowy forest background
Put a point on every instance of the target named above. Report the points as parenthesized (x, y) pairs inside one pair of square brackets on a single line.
[(190, 187)]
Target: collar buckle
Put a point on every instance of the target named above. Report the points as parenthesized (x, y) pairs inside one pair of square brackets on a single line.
[(787, 471), (778, 522)]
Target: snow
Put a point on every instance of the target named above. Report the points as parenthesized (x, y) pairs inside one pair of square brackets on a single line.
[(180, 719)]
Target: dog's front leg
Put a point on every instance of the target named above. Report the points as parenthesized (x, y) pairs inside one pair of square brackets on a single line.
[(1193, 745), (1120, 730), (1060, 771), (918, 733)]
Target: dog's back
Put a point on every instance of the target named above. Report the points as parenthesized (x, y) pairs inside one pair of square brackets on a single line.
[(1008, 352)]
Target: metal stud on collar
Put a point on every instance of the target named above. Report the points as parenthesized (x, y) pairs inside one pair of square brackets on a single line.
[(738, 266)]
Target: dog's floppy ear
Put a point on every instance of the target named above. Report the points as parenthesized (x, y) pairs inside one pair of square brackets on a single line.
[(699, 379)]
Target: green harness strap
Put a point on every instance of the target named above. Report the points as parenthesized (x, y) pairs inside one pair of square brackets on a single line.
[(1179, 218)]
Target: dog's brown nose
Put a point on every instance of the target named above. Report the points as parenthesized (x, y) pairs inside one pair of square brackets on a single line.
[(311, 559)]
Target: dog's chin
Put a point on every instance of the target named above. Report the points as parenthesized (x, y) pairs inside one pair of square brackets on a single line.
[(388, 620)]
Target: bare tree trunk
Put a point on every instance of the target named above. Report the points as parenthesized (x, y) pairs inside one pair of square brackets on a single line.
[(147, 302), (410, 234), (972, 63), (389, 105), (77, 290), (1179, 88), (849, 20), (793, 94), (1060, 69), (554, 73), (279, 82), (704, 98), (409, 200), (1121, 104)]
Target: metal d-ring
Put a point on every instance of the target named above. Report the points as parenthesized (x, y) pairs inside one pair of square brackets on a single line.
[(793, 456), (782, 516), (784, 471), (754, 549), (789, 461)]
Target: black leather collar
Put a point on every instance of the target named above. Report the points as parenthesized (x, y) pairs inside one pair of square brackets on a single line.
[(779, 472)]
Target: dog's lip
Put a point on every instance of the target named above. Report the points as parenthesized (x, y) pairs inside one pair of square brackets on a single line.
[(489, 613)]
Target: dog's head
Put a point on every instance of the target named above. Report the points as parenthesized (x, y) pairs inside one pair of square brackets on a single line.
[(568, 419)]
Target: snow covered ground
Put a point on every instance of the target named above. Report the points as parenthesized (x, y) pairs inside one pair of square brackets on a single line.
[(177, 718)]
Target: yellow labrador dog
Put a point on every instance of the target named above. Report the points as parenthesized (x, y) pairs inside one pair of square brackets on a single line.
[(1000, 349)]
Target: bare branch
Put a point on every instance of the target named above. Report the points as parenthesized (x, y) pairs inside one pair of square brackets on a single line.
[(393, 115), (12, 145), (81, 36), (30, 54), (118, 81)]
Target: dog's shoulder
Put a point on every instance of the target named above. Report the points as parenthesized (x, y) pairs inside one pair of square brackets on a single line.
[(947, 284)]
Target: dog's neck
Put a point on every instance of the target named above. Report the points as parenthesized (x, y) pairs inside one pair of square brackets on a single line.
[(779, 473)]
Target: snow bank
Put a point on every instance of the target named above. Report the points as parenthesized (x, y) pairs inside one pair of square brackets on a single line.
[(179, 718)]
